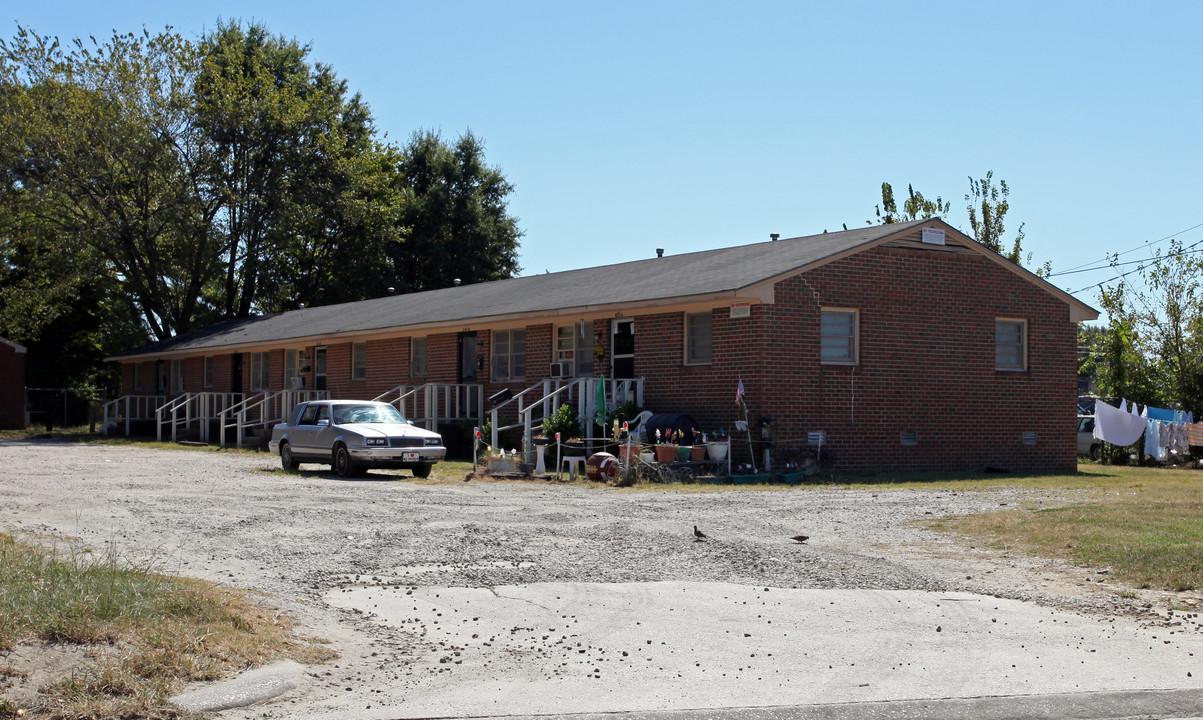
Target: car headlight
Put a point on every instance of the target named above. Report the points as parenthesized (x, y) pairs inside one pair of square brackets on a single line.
[(432, 441), (375, 441)]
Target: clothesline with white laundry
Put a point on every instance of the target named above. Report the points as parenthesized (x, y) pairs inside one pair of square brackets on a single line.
[(1165, 431)]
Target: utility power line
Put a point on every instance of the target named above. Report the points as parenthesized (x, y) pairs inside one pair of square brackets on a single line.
[(1138, 247)]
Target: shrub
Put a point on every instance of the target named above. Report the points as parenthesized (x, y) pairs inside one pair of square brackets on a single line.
[(564, 421)]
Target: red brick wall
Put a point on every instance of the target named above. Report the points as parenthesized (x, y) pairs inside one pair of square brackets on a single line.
[(12, 388), (926, 365)]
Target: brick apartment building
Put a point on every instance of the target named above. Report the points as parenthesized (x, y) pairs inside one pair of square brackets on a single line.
[(907, 346)]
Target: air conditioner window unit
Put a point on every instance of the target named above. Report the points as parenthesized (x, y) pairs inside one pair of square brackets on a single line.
[(296, 382), (561, 370)]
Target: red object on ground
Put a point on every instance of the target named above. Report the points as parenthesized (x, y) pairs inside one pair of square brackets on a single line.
[(601, 467)]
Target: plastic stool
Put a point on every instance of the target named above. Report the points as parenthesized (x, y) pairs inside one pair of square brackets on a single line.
[(572, 461)]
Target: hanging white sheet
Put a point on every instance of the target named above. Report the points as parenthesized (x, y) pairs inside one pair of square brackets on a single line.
[(1116, 426)]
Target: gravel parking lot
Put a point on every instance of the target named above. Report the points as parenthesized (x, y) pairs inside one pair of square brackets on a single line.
[(305, 539)]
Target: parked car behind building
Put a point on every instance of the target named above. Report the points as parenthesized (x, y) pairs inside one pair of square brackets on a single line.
[(1088, 444)]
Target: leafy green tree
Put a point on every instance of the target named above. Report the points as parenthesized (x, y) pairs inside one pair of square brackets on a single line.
[(101, 159), (916, 207), (987, 205), (1152, 349), (167, 185), (455, 215), (296, 170)]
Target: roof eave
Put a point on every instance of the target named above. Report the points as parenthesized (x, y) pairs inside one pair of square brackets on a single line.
[(499, 322), (1078, 310)]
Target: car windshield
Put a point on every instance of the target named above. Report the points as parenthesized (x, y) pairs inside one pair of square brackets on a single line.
[(345, 414)]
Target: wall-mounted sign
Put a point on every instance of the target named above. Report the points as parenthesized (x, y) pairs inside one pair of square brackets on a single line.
[(741, 309), (934, 236)]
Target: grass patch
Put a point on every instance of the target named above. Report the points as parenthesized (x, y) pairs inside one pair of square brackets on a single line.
[(1144, 524), (81, 434), (150, 633)]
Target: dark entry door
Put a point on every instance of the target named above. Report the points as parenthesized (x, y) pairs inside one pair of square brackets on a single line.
[(469, 363), (236, 373), (622, 353), (467, 357)]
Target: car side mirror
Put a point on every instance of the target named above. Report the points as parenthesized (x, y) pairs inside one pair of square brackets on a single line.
[(323, 422)]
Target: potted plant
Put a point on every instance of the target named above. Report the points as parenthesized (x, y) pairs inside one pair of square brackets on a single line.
[(697, 452), (501, 461), (563, 421), (665, 449), (746, 474), (717, 445), (684, 450)]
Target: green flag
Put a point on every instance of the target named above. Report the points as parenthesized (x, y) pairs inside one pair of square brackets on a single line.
[(601, 403)]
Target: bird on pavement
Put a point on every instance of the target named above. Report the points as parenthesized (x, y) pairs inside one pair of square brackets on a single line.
[(698, 533), (800, 538)]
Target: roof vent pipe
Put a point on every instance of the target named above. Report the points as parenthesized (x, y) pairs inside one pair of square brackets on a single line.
[(455, 282), (659, 252), (774, 236)]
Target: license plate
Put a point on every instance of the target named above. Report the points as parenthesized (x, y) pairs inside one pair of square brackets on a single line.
[(409, 456)]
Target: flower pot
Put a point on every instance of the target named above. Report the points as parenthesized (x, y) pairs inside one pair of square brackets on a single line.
[(540, 441), (684, 452), (647, 457), (790, 478), (628, 453), (717, 451), (697, 453), (503, 465), (666, 453)]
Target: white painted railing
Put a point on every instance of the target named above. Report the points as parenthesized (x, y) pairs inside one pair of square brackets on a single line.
[(550, 394), (432, 403), (201, 408), (262, 410), (128, 408), (169, 414)]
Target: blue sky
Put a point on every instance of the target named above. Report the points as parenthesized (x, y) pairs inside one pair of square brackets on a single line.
[(692, 125)]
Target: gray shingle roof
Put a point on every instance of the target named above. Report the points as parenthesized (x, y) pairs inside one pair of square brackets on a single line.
[(655, 279)]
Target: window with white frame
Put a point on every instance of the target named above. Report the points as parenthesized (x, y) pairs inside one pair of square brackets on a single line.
[(177, 377), (509, 355), (565, 344), (417, 357), (1010, 344), (838, 336), (574, 347), (208, 371), (260, 377), (359, 361), (699, 338)]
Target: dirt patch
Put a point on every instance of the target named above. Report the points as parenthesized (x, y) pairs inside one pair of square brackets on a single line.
[(294, 538), (31, 666)]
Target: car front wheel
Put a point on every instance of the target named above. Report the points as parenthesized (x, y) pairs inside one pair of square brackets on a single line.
[(287, 459), (343, 464), (423, 471), (1094, 452)]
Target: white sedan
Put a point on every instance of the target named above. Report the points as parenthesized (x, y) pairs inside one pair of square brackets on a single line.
[(349, 435)]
